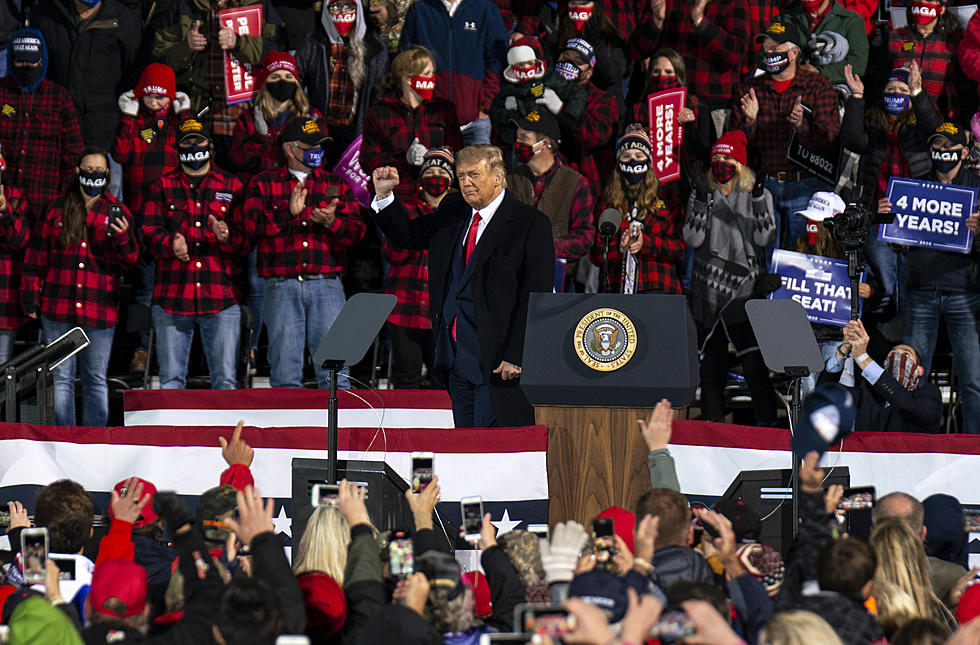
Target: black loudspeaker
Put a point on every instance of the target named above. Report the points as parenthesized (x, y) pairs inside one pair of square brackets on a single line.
[(609, 350), (386, 503), (768, 493)]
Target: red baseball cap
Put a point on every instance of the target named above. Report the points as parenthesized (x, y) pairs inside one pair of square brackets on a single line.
[(326, 605), (120, 579), (146, 515)]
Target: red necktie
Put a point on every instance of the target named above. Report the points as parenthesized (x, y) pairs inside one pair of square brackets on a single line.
[(468, 250)]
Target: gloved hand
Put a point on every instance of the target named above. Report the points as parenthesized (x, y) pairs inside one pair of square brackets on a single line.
[(766, 284), (173, 509), (510, 103), (828, 47), (551, 101), (128, 103), (415, 153), (699, 183), (760, 182), (560, 556)]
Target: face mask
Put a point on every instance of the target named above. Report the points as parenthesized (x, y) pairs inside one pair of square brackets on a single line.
[(812, 231), (435, 185), (90, 3), (424, 86), (944, 160), (194, 157), (634, 172), (344, 21), (923, 13), (568, 70), (313, 157), (525, 73), (896, 103), (93, 183), (775, 62), (580, 16), (524, 152), (281, 91), (664, 82), (723, 171), (811, 5), (26, 75), (904, 369)]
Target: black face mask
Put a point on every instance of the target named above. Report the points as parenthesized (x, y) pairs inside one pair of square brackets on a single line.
[(26, 75), (634, 172), (194, 157), (281, 91), (775, 62), (944, 160), (93, 183)]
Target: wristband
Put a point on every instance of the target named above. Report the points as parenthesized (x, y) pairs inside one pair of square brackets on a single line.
[(857, 95), (860, 359), (917, 91)]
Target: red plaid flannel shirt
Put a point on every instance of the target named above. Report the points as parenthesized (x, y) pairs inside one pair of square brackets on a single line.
[(893, 165), (937, 58), (713, 52), (408, 276), (78, 283), (15, 228), (252, 152), (41, 139), (624, 14), (581, 223), (206, 284), (588, 145), (769, 135), (761, 13), (663, 249), (340, 109), (145, 154), (292, 245), (390, 126)]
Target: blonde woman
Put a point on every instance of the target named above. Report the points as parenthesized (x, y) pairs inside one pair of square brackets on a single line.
[(798, 627), (323, 546), (894, 606), (902, 561)]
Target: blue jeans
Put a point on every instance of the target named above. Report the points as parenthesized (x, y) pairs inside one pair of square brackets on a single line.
[(922, 313), (7, 337), (478, 132), (889, 266), (144, 276), (253, 298), (94, 361), (787, 199), (220, 334), (297, 315)]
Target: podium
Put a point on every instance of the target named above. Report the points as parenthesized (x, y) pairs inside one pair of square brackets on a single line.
[(592, 365)]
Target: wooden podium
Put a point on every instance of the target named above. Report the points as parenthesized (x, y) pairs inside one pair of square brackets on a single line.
[(596, 459), (596, 453)]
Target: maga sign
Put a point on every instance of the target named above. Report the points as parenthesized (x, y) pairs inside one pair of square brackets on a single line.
[(820, 284), (929, 214), (665, 132), (239, 81)]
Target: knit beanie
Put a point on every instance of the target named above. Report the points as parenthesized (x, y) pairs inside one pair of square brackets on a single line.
[(275, 61), (898, 74), (731, 143), (635, 138), (157, 78), (440, 158)]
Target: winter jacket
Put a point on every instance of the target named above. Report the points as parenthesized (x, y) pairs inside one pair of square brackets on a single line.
[(869, 138), (587, 143), (469, 47), (611, 61), (363, 587), (94, 61), (398, 624), (506, 588), (269, 565), (840, 21), (674, 563), (663, 472), (524, 94), (255, 144)]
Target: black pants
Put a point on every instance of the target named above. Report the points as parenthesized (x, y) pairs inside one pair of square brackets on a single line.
[(410, 348), (714, 374)]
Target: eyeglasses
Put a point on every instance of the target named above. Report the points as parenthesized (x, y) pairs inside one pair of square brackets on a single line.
[(342, 7)]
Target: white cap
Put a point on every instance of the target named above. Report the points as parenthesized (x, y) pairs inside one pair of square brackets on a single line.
[(520, 54), (822, 206)]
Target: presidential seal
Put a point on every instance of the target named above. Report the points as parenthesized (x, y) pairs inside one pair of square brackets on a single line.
[(605, 339)]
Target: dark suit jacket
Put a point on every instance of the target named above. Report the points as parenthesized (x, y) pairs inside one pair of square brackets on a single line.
[(514, 257), (918, 411)]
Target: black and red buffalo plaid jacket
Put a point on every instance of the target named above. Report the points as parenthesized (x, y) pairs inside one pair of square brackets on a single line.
[(77, 283), (15, 228), (408, 276), (252, 151), (145, 154), (588, 143), (205, 284), (294, 245)]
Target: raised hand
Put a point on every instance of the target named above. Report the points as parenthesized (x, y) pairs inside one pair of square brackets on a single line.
[(854, 82), (657, 428), (385, 180), (195, 39), (297, 199), (236, 451), (227, 39), (750, 106)]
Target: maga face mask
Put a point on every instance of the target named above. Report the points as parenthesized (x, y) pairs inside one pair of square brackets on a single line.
[(924, 12), (580, 16), (903, 368), (194, 157), (343, 18), (634, 171), (944, 160), (775, 62), (424, 86), (93, 183), (812, 232)]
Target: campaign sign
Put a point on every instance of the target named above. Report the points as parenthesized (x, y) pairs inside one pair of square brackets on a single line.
[(826, 166), (239, 81), (349, 167), (929, 214), (665, 132), (820, 284)]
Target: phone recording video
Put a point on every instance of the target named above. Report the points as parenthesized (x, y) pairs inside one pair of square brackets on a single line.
[(472, 511), (401, 557), (329, 494), (540, 530), (421, 471), (544, 619), (34, 551), (672, 626), (604, 543), (115, 215), (854, 510)]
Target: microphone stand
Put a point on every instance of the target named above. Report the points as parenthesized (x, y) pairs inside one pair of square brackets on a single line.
[(606, 239)]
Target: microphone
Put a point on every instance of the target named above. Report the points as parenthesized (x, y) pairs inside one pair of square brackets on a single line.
[(609, 222)]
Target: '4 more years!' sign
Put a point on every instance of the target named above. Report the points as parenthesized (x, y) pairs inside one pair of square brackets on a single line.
[(929, 214)]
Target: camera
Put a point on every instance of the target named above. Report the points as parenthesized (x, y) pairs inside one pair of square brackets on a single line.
[(850, 227)]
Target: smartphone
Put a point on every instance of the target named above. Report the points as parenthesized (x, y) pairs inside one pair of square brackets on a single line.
[(541, 530), (401, 558), (421, 471), (472, 511), (971, 521), (603, 543), (34, 551), (115, 214), (547, 619), (490, 639), (328, 493), (66, 566), (672, 626), (854, 509)]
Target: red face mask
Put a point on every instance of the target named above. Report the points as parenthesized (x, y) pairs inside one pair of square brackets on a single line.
[(664, 82), (424, 86), (525, 73), (811, 5), (344, 22), (523, 151), (435, 185), (723, 171), (924, 12), (580, 16), (812, 230)]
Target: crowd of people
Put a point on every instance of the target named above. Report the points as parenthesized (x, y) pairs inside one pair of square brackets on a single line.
[(133, 173), (155, 570)]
